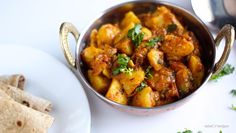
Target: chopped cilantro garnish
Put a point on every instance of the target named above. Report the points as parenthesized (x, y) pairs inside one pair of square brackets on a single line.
[(148, 72), (126, 70), (233, 107), (228, 69), (189, 131), (152, 42), (171, 28), (123, 61), (233, 92), (186, 131), (142, 85), (136, 35)]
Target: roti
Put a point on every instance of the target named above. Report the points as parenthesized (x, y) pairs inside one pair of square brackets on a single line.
[(26, 98), (17, 118), (16, 80)]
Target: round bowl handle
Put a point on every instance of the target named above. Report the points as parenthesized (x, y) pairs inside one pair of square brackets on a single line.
[(228, 32), (65, 29)]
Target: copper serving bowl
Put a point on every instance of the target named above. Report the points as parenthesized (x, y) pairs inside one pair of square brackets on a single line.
[(117, 12)]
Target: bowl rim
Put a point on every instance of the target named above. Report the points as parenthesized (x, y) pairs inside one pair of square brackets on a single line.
[(86, 84)]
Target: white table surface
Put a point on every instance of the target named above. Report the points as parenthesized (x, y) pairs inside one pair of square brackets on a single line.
[(36, 24)]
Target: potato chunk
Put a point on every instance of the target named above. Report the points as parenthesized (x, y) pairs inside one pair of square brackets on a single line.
[(116, 93), (130, 17), (98, 82), (125, 46), (184, 81), (147, 33), (162, 17), (174, 45), (176, 66), (156, 58), (131, 81), (174, 58), (196, 67), (89, 53), (93, 38), (123, 33), (161, 79), (140, 55), (99, 63), (106, 35), (107, 73), (144, 98)]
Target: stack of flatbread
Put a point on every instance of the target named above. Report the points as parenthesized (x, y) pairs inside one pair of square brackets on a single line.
[(21, 112)]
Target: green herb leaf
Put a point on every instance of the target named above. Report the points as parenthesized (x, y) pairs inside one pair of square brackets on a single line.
[(233, 92), (228, 69), (136, 35), (186, 131), (152, 42), (116, 71), (171, 28), (142, 85), (148, 72), (123, 61), (137, 28), (189, 131), (233, 107), (139, 39), (127, 70)]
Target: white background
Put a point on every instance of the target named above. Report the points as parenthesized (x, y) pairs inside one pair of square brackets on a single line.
[(36, 24)]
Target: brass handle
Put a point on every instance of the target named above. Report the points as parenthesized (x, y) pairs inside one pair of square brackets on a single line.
[(65, 29), (228, 32)]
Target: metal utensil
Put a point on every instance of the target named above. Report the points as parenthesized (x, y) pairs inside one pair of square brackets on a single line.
[(215, 13)]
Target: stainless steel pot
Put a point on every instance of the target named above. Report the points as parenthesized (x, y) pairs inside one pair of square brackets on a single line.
[(117, 12)]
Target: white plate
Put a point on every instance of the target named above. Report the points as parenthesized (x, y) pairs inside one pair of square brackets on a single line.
[(50, 79)]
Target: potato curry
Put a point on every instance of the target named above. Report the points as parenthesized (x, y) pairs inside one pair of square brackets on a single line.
[(144, 60)]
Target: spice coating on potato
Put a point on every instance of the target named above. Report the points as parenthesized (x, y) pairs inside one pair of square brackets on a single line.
[(98, 82), (144, 98), (184, 81), (106, 35), (156, 59), (178, 46), (116, 93), (197, 69), (131, 81)]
